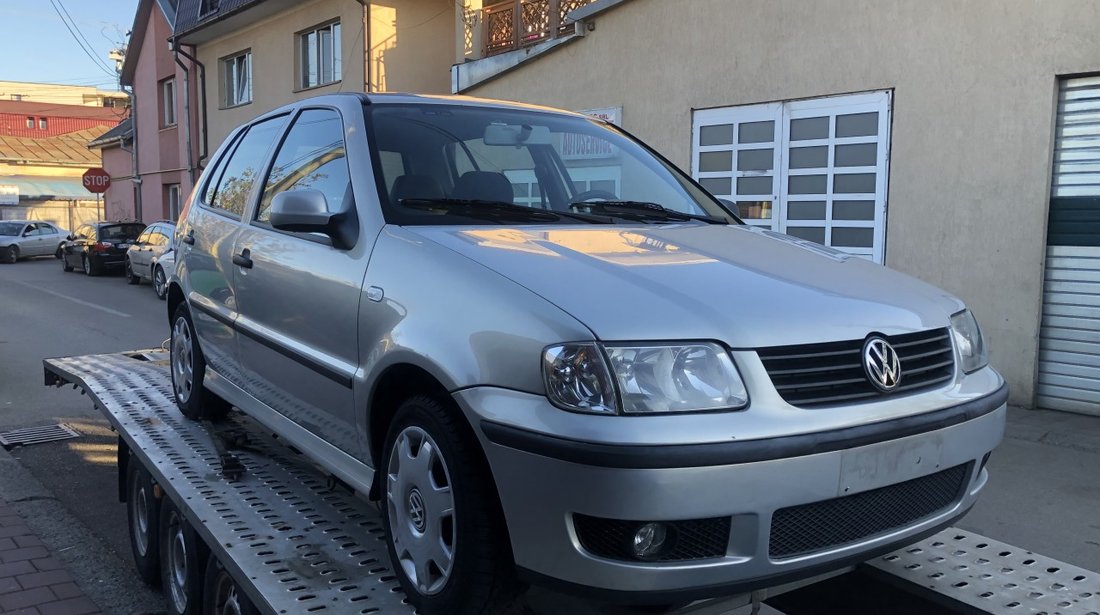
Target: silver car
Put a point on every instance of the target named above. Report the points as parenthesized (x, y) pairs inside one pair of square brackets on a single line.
[(143, 256), (27, 238), (552, 357)]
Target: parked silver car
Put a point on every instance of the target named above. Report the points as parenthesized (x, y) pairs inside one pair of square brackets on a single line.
[(144, 254), (546, 350), (26, 238)]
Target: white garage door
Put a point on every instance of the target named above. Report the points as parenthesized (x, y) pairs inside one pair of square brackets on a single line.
[(815, 169), (1069, 347)]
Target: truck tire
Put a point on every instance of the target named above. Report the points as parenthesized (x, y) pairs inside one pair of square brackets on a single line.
[(221, 594), (188, 368), (459, 562), (143, 517), (183, 562)]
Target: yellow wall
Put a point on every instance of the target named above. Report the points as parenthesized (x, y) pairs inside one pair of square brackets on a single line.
[(59, 94), (412, 45), (974, 105)]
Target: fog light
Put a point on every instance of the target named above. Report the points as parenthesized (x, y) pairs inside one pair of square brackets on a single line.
[(649, 540)]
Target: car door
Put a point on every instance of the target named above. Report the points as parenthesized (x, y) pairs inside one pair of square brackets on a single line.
[(299, 295), (138, 251), (208, 236), (30, 240), (51, 238), (79, 245)]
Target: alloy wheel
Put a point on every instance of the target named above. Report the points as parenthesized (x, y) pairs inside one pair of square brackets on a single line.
[(87, 262), (182, 370), (158, 282), (421, 510)]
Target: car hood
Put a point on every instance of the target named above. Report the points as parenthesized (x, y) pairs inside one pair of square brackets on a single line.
[(744, 286)]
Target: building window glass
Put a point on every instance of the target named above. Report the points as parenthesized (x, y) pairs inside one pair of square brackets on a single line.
[(168, 102), (319, 55), (238, 79), (173, 201), (207, 6), (30, 122), (43, 123), (17, 97), (814, 169)]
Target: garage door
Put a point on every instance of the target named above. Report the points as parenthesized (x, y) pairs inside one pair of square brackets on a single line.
[(1069, 348)]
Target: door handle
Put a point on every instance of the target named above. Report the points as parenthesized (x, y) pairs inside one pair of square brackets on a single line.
[(189, 238), (243, 259)]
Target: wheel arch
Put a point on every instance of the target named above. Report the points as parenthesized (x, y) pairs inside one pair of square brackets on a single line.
[(174, 299)]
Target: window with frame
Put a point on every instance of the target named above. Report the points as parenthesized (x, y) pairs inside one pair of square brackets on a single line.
[(231, 184), (168, 102), (207, 6), (43, 123), (173, 200), (17, 97), (319, 56), (815, 169), (311, 157), (237, 79), (30, 122)]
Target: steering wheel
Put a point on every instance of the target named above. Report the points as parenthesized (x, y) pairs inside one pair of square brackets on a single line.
[(591, 195)]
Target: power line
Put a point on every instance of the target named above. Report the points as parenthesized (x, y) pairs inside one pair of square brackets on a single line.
[(88, 53), (81, 33)]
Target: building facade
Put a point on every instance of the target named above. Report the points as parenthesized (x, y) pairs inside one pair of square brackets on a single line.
[(925, 136), (60, 94)]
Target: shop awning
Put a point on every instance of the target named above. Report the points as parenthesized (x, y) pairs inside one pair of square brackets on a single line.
[(41, 188)]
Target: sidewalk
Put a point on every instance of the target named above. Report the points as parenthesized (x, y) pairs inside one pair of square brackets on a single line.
[(33, 581)]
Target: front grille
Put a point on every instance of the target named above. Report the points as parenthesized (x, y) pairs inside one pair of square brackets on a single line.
[(688, 540), (803, 529), (831, 373)]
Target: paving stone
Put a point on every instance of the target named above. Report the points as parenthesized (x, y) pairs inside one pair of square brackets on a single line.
[(8, 544), (14, 530), (25, 598), (38, 579), (17, 568), (46, 563), (9, 584), (72, 606), (18, 555), (66, 590), (28, 541)]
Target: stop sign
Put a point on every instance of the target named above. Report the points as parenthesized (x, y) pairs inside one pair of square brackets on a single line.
[(97, 180)]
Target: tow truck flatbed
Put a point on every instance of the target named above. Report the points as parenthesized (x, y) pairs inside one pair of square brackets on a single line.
[(295, 541)]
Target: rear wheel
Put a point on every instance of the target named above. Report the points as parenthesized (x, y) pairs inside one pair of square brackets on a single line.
[(443, 521), (189, 369), (142, 512), (65, 266), (92, 267), (60, 250), (160, 282), (221, 595), (130, 277), (11, 254), (182, 562)]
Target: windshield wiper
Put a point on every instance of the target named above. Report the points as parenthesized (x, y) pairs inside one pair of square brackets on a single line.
[(499, 210), (642, 210)]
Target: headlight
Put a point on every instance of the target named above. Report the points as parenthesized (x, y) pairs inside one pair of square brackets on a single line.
[(968, 342), (650, 378)]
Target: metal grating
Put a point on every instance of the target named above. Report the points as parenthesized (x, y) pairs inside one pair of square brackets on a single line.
[(962, 568), (811, 375), (694, 538), (306, 548), (807, 528), (26, 436)]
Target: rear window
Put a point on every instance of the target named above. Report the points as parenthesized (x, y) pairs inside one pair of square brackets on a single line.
[(117, 232)]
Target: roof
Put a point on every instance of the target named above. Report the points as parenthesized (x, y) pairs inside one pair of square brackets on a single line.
[(45, 109), (35, 187), (117, 135), (188, 18), (70, 148)]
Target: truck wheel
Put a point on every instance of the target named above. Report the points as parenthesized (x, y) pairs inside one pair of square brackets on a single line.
[(220, 593), (188, 371), (442, 517), (143, 516), (130, 277), (182, 563)]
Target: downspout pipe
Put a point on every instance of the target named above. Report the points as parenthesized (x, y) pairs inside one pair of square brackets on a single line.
[(203, 123), (186, 112), (136, 170)]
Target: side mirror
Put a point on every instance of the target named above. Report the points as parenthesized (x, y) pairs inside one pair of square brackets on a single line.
[(69, 237), (306, 211)]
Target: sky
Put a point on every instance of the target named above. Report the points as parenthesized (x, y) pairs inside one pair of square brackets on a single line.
[(36, 46)]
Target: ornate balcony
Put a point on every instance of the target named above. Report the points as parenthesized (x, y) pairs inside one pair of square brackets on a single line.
[(514, 24)]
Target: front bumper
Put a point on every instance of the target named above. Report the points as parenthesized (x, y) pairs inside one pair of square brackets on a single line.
[(544, 481)]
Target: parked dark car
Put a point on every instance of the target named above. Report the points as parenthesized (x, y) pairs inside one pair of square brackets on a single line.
[(145, 253), (99, 246)]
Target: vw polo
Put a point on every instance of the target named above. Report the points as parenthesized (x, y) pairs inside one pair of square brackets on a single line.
[(551, 356)]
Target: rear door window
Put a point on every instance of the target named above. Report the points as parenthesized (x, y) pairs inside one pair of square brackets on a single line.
[(232, 189)]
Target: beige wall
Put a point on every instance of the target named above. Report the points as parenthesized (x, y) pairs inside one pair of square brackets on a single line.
[(974, 103), (60, 94), (274, 61), (412, 45)]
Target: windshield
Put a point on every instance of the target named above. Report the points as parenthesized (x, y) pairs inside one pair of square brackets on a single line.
[(117, 232), (444, 164), (10, 228)]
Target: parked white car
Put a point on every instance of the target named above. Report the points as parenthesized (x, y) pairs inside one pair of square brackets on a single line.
[(26, 238), (144, 255)]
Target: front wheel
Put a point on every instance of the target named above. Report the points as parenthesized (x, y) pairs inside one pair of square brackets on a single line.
[(130, 277), (160, 283), (188, 371), (11, 254), (65, 266), (442, 517), (91, 265)]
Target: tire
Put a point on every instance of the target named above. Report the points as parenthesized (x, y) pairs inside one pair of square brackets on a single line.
[(65, 266), (183, 562), (130, 277), (11, 254), (60, 251), (143, 518), (188, 368), (92, 267), (477, 575), (221, 594), (160, 282)]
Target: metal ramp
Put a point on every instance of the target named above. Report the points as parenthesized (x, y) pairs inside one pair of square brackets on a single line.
[(297, 545)]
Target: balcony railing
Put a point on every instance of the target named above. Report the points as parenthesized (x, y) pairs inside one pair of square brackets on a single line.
[(514, 24)]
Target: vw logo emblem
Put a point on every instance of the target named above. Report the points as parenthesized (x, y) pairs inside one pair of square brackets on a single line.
[(416, 510), (881, 363)]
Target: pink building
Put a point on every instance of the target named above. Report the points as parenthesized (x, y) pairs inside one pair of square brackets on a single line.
[(166, 146), (116, 148)]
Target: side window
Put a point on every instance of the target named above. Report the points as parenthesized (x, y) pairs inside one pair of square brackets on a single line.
[(30, 229), (244, 164), (311, 157), (144, 236), (45, 229), (160, 238)]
